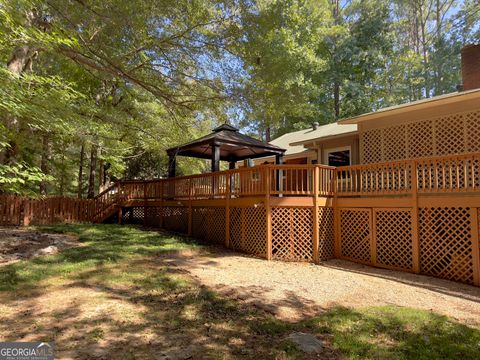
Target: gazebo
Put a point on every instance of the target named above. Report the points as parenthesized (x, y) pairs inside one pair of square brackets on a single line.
[(225, 143)]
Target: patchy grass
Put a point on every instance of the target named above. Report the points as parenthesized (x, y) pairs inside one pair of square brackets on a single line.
[(117, 297)]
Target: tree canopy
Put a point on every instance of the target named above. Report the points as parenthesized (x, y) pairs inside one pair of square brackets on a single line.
[(94, 91)]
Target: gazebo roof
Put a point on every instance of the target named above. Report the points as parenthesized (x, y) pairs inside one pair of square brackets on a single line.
[(233, 146)]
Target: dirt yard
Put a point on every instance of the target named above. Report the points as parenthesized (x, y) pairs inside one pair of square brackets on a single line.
[(119, 292), (19, 243), (295, 290)]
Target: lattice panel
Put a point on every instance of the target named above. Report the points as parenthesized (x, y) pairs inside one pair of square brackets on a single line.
[(393, 234), (236, 228), (216, 229), (395, 148), (472, 120), (255, 230), (420, 139), (292, 233), (200, 223), (326, 244), (133, 215), (175, 218), (371, 146), (355, 234), (153, 216), (209, 224), (450, 135), (446, 243), (447, 135)]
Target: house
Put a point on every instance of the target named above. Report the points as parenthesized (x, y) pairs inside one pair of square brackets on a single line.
[(442, 125), (331, 144)]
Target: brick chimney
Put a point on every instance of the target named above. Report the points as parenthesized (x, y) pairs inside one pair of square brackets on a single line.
[(471, 67)]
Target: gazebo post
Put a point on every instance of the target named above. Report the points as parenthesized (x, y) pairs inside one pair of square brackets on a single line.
[(215, 158), (279, 174), (215, 165), (172, 164)]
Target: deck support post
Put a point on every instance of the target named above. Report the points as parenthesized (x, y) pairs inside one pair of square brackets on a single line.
[(316, 232), (337, 249), (119, 215), (476, 246), (415, 232), (227, 210), (268, 213), (190, 213)]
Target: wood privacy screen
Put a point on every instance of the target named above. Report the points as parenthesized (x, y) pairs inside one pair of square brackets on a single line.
[(420, 215), (453, 134)]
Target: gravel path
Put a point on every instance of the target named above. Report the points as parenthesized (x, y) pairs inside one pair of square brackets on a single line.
[(294, 290)]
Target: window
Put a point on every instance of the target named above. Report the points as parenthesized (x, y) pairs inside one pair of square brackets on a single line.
[(338, 156)]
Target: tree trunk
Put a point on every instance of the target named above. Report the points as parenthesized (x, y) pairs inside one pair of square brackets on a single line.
[(93, 167), (21, 61), (101, 183), (44, 162), (268, 136), (80, 171), (336, 99)]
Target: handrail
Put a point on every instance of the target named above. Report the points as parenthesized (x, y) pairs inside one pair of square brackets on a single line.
[(440, 174)]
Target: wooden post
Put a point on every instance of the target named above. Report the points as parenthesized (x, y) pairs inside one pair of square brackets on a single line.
[(119, 215), (162, 183), (415, 225), (190, 214), (144, 203), (26, 212), (316, 232), (172, 165), (268, 212), (227, 210), (215, 158), (476, 246), (373, 237), (336, 218), (51, 202)]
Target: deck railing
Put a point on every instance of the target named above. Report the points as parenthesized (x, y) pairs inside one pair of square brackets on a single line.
[(445, 174), (284, 180)]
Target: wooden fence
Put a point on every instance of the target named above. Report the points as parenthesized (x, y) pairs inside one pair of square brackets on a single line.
[(420, 216), (16, 211)]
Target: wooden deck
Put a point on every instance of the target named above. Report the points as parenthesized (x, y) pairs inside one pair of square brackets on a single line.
[(420, 216)]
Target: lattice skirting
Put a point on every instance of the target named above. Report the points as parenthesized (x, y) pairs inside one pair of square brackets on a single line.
[(153, 216), (356, 234), (292, 233), (133, 215), (175, 218), (326, 245), (448, 244), (248, 230), (208, 223)]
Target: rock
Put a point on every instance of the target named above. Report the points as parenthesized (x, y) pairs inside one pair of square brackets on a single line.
[(306, 342), (95, 352), (177, 354), (49, 250)]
